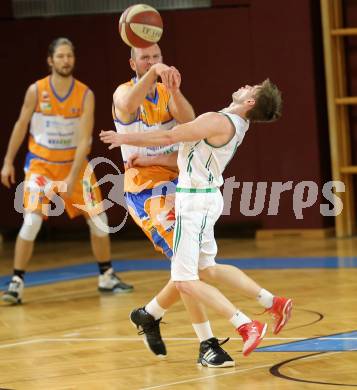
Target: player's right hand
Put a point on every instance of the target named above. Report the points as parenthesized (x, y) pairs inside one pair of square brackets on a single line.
[(8, 175), (111, 137)]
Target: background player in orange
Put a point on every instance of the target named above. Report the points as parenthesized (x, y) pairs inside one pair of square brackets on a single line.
[(60, 110), (143, 105)]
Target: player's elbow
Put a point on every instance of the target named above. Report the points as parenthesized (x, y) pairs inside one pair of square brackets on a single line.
[(124, 105), (129, 108)]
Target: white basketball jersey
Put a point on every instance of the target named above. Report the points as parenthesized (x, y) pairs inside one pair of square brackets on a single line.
[(201, 165)]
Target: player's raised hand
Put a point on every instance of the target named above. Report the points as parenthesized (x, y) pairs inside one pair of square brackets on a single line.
[(175, 80), (166, 73), (111, 137)]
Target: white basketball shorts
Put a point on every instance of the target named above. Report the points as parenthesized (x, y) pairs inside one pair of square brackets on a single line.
[(195, 248)]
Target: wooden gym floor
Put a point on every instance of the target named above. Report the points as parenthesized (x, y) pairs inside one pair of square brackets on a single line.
[(67, 336)]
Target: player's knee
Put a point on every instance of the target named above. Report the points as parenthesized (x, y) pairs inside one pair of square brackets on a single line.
[(31, 226), (185, 287), (98, 225), (208, 273)]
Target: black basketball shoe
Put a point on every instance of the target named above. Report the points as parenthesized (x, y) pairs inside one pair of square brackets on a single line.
[(150, 328), (212, 355)]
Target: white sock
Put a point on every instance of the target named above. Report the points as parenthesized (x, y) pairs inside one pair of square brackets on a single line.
[(239, 319), (203, 331), (155, 309), (265, 298)]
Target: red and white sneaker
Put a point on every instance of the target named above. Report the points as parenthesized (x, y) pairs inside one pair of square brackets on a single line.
[(281, 312), (252, 334)]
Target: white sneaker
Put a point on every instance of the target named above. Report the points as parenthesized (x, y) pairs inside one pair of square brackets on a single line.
[(15, 291), (110, 282)]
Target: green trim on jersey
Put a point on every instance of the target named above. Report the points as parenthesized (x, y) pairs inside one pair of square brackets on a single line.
[(178, 229), (210, 178), (208, 163), (196, 190), (203, 225), (189, 167), (221, 146), (190, 157)]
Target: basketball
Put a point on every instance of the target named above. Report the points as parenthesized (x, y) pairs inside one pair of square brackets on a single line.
[(140, 26)]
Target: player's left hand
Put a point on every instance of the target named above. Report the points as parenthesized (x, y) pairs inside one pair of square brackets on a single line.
[(169, 75), (174, 80), (111, 137)]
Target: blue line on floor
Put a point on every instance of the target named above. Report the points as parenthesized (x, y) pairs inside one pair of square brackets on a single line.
[(336, 342), (81, 271)]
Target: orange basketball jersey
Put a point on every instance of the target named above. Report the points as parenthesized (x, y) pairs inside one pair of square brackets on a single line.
[(152, 115), (54, 127)]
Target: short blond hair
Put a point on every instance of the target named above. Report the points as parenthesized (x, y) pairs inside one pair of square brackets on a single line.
[(268, 103)]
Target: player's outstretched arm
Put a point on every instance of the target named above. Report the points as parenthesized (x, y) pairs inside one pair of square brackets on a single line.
[(17, 136), (207, 125)]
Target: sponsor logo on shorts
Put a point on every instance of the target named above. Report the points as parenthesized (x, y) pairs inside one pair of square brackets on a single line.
[(40, 181), (89, 193), (167, 219)]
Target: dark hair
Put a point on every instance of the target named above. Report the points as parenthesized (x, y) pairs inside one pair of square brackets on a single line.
[(268, 103), (58, 42)]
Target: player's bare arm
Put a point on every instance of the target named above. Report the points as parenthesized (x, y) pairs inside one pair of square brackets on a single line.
[(17, 136), (86, 124), (214, 127), (127, 99), (164, 160)]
